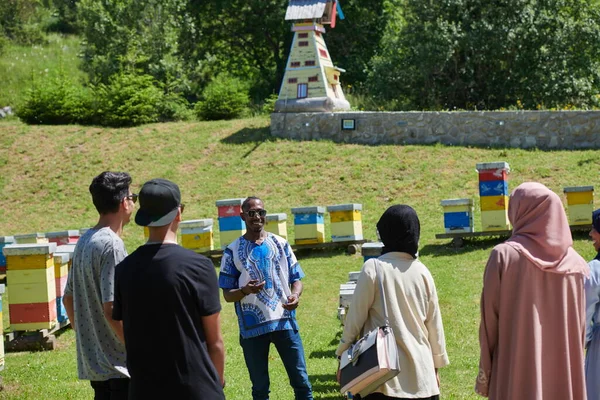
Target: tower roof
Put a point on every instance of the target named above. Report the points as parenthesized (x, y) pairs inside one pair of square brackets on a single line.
[(305, 9)]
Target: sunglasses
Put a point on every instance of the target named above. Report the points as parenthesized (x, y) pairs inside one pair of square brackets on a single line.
[(254, 213), (133, 197), (182, 207)]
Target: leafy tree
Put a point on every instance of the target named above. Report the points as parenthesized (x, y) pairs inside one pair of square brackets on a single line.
[(487, 55)]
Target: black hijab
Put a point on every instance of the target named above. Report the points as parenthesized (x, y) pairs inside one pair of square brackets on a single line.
[(596, 226), (399, 230)]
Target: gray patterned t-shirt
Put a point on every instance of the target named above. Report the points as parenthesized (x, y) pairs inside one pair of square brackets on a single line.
[(100, 354)]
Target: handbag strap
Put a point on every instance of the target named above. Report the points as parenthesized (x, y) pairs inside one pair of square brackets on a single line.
[(379, 277)]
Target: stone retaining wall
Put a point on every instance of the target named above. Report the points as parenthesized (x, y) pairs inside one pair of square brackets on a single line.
[(524, 129)]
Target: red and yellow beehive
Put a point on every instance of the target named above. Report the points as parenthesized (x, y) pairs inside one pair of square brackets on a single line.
[(580, 204), (30, 274), (493, 194)]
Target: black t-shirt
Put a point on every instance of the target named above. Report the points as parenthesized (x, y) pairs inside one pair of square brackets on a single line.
[(162, 291)]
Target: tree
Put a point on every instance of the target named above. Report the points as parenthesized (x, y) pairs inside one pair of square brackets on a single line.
[(487, 55)]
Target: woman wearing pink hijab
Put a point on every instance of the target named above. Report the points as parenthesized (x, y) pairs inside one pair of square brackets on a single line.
[(533, 306)]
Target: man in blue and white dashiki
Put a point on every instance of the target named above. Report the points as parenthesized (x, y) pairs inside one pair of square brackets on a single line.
[(260, 274)]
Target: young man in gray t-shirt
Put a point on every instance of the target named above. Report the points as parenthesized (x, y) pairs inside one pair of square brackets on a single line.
[(90, 289)]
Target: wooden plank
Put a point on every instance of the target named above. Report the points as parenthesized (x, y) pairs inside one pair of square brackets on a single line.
[(29, 341), (586, 227)]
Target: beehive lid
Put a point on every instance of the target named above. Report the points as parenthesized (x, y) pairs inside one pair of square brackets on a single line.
[(456, 202), (230, 202), (345, 207), (70, 232), (29, 249), (571, 189), (7, 239), (62, 258), (277, 217), (196, 223), (65, 248), (493, 165), (309, 210), (36, 235)]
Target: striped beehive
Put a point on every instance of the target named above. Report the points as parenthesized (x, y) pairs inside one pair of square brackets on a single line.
[(67, 249), (493, 195), (4, 241), (2, 289), (31, 238), (63, 237), (371, 250), (309, 225), (197, 235), (458, 215), (346, 222), (61, 271), (277, 224), (30, 274), (231, 224), (580, 204)]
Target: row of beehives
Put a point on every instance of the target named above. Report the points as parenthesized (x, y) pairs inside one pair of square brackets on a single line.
[(493, 200), (368, 250), (309, 225)]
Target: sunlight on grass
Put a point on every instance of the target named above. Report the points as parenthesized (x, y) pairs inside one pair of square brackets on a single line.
[(45, 173)]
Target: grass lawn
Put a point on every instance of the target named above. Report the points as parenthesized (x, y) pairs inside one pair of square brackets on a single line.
[(45, 172)]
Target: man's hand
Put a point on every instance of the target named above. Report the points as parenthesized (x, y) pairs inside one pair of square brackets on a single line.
[(292, 303), (253, 287)]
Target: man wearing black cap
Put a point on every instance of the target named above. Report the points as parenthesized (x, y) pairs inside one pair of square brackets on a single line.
[(168, 300)]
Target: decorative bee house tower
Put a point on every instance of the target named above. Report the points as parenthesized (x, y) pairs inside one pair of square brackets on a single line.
[(311, 82)]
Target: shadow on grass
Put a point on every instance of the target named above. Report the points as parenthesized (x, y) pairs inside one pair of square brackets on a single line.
[(477, 243), (323, 353), (250, 135), (324, 383), (319, 253), (469, 245)]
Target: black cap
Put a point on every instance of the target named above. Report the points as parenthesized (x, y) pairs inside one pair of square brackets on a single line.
[(159, 203)]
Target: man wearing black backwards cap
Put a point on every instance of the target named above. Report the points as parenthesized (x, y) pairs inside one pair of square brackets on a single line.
[(168, 300)]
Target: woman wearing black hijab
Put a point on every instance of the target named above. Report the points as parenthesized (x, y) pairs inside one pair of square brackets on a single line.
[(413, 309), (592, 297)]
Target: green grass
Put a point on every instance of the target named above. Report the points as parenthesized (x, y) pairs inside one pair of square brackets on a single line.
[(22, 65), (45, 172)]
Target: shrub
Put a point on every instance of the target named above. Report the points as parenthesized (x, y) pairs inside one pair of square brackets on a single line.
[(173, 107), (225, 97), (128, 100), (55, 102), (268, 106)]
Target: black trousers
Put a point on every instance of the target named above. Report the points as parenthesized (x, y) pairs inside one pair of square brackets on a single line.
[(112, 389), (381, 396)]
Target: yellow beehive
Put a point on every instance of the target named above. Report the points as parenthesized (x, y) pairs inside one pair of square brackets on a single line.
[(227, 237), (495, 220), (277, 224), (31, 238), (146, 233), (346, 222), (197, 235), (580, 204)]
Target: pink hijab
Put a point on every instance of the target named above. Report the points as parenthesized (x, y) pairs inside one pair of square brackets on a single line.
[(541, 231)]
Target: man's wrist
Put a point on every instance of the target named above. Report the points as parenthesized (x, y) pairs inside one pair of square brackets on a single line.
[(242, 290)]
